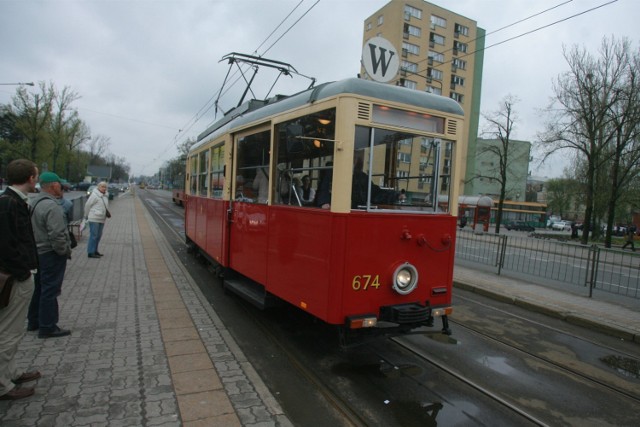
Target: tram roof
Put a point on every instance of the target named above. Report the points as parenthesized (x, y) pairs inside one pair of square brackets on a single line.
[(255, 110)]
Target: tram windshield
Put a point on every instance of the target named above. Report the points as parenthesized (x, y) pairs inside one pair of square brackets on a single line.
[(304, 160), (399, 170)]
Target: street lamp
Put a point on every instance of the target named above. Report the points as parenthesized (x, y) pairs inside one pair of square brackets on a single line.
[(17, 84)]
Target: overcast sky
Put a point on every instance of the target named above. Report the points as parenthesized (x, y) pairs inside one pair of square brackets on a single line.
[(147, 70)]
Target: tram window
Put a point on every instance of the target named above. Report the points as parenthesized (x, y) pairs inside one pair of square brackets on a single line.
[(194, 175), (216, 177), (304, 152), (252, 173), (203, 184), (398, 170)]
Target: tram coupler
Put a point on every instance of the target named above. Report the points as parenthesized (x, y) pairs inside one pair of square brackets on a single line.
[(445, 325)]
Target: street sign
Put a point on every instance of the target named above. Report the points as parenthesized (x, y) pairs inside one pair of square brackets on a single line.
[(380, 59)]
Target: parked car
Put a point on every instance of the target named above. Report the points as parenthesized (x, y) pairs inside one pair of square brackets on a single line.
[(561, 226), (519, 226), (82, 186)]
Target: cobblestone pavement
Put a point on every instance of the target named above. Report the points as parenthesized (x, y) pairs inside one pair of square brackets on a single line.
[(145, 350)]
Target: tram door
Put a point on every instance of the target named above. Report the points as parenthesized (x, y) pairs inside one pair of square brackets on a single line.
[(249, 209)]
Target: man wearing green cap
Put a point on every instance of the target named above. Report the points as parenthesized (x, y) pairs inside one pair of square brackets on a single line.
[(54, 248)]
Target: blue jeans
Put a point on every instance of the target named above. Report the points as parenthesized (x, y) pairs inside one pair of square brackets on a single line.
[(95, 234), (43, 310)]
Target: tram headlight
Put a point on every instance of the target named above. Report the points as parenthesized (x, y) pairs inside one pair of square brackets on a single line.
[(405, 279)]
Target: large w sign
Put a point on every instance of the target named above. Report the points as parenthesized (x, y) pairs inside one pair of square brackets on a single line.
[(380, 59)]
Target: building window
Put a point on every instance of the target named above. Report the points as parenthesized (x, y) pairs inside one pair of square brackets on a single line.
[(457, 96), (436, 38), (413, 12), (461, 29), (412, 30), (460, 47), (408, 84), (409, 66), (411, 48), (457, 80), (434, 73), (380, 20), (438, 21), (368, 26), (404, 157), (436, 56), (434, 89), (459, 64)]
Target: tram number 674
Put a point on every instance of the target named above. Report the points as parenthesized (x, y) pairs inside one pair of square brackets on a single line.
[(364, 282)]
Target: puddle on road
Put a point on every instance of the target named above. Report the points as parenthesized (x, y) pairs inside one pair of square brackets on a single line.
[(381, 369), (445, 339), (498, 364), (624, 365)]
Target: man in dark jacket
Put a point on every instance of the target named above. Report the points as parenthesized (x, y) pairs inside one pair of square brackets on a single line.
[(18, 257), (52, 240)]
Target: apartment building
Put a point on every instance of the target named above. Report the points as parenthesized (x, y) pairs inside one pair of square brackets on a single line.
[(442, 52)]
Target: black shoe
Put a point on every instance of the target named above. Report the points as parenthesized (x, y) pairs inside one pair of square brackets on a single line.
[(27, 377), (55, 333), (18, 393), (32, 328), (99, 254), (93, 256)]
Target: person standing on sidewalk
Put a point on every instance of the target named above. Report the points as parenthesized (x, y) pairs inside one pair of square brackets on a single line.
[(18, 257), (54, 249), (95, 212)]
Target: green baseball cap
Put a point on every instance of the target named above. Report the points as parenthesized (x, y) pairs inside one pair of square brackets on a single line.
[(47, 177)]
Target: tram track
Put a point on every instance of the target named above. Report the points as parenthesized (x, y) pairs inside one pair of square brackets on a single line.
[(421, 353), (564, 367)]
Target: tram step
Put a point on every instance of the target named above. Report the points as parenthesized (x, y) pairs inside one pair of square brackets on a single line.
[(250, 291)]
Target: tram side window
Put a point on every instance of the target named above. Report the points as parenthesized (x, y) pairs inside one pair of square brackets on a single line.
[(203, 184), (304, 149), (194, 175), (216, 177), (252, 173), (399, 170)]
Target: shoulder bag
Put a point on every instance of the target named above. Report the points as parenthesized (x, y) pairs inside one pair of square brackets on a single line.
[(106, 208)]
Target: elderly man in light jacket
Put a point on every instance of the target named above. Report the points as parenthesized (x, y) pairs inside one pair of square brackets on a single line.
[(54, 248), (95, 212)]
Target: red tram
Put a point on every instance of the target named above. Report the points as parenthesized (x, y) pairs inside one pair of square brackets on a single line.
[(328, 200)]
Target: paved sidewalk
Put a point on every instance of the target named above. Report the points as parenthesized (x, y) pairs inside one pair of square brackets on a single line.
[(614, 319), (146, 349)]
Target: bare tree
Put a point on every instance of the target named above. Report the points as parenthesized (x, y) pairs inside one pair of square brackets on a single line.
[(579, 115), (500, 126), (33, 112), (624, 126), (98, 146), (78, 133), (61, 124)]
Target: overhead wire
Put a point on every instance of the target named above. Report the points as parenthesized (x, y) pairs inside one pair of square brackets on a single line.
[(417, 73), (208, 105)]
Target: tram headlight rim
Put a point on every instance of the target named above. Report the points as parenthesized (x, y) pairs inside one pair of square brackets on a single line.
[(405, 278)]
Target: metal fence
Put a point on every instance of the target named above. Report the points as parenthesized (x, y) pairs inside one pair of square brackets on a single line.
[(544, 260)]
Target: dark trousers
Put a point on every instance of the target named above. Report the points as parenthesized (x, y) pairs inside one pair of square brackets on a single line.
[(43, 310)]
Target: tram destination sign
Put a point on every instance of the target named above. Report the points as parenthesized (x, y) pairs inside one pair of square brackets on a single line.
[(380, 59)]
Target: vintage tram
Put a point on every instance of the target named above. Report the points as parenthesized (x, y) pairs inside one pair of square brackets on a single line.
[(329, 200)]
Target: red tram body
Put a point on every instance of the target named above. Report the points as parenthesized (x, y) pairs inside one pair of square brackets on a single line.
[(379, 255), (177, 196)]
